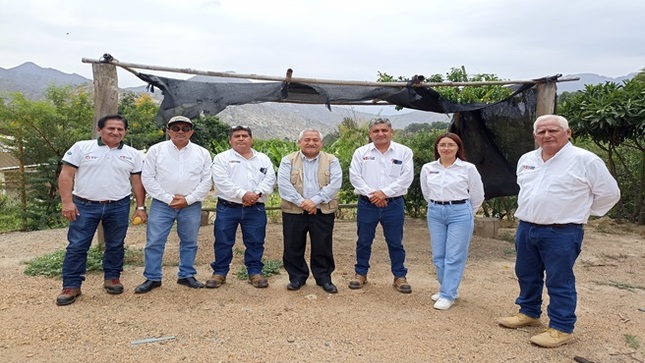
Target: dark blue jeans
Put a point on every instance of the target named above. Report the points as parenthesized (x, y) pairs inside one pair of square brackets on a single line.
[(115, 219), (391, 218), (253, 221), (553, 250)]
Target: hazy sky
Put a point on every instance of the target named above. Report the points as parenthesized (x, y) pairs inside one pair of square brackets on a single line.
[(349, 39)]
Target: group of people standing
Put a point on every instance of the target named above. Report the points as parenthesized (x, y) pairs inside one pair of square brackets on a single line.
[(99, 177)]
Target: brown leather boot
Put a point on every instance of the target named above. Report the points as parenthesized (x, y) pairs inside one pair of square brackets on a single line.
[(68, 296)]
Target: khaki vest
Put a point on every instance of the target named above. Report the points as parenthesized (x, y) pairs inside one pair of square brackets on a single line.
[(324, 161)]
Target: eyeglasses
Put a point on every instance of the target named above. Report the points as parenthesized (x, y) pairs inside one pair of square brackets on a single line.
[(182, 128), (447, 145)]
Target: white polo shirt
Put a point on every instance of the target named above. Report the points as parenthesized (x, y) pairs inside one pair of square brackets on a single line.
[(391, 172), (234, 175), (103, 173), (567, 188), (168, 171), (459, 181)]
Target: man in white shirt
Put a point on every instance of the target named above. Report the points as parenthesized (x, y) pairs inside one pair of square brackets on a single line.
[(177, 175), (244, 178), (381, 173), (309, 181), (560, 186), (96, 186)]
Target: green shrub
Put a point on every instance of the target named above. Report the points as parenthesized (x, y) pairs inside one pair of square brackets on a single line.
[(51, 264), (271, 267)]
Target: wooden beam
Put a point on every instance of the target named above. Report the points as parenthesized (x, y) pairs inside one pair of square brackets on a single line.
[(131, 66)]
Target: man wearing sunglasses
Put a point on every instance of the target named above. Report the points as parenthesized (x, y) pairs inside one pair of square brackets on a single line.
[(177, 175), (243, 178)]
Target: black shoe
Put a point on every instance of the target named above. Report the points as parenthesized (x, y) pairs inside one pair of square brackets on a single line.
[(147, 286), (293, 286), (190, 282), (330, 288)]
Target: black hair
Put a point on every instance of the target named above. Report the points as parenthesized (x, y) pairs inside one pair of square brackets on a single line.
[(104, 119)]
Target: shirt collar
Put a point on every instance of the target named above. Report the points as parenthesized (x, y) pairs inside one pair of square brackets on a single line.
[(100, 142), (305, 158)]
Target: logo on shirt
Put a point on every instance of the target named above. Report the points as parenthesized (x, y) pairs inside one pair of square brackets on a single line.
[(90, 157), (397, 162), (433, 172), (125, 157), (368, 158), (69, 153), (233, 161), (528, 167)]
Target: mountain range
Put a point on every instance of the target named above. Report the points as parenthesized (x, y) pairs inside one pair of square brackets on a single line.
[(268, 120)]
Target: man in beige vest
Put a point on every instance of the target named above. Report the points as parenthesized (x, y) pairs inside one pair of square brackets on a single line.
[(308, 182)]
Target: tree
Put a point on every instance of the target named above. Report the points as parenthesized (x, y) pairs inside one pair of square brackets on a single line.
[(613, 117), (140, 111), (471, 94), (41, 133), (210, 132)]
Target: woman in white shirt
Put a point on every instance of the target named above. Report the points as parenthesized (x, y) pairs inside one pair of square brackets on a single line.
[(454, 191)]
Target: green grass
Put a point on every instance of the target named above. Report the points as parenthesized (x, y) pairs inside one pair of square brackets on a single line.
[(51, 264), (271, 267), (632, 341), (506, 236)]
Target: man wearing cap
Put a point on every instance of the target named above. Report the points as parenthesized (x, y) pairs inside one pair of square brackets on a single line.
[(96, 185), (309, 181), (243, 178), (177, 175), (381, 173)]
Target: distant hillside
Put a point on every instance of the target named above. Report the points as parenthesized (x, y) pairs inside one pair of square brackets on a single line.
[(268, 120), (589, 78), (32, 80)]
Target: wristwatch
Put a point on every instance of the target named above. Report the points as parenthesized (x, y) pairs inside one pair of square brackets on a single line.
[(141, 208)]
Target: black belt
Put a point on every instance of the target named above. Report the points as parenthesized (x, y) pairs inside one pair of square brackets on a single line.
[(367, 199), (448, 202), (554, 225), (233, 204), (95, 201)]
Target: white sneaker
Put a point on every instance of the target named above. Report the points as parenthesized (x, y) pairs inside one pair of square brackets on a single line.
[(443, 304), (436, 296)]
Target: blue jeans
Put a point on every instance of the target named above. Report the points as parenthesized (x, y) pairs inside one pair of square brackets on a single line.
[(160, 220), (391, 218), (253, 221), (553, 250), (451, 229), (115, 219)]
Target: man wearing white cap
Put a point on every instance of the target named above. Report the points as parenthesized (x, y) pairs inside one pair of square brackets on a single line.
[(177, 175)]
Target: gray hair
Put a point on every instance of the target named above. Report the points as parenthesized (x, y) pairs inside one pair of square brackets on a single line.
[(561, 120), (378, 121), (302, 133)]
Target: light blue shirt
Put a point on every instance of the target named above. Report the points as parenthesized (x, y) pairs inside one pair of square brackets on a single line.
[(311, 188)]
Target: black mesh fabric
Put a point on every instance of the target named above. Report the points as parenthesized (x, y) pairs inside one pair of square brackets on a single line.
[(495, 135)]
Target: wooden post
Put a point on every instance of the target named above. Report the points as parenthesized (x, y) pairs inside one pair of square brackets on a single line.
[(106, 102), (546, 96)]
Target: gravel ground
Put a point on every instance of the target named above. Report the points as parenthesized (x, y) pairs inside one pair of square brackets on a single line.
[(238, 323)]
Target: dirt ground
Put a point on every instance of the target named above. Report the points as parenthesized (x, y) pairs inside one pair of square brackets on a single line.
[(238, 323)]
